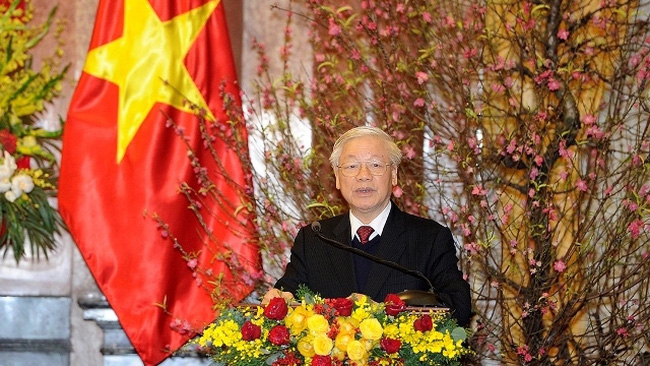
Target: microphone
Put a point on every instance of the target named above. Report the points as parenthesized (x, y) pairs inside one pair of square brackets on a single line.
[(410, 297)]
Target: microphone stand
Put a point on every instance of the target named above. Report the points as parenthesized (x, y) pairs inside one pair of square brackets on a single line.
[(410, 297)]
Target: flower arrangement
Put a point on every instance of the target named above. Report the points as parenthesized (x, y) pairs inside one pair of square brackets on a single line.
[(27, 161), (341, 331)]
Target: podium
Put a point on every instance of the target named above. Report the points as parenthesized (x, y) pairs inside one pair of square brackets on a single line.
[(357, 331)]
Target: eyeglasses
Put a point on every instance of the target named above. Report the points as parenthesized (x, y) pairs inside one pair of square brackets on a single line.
[(353, 169)]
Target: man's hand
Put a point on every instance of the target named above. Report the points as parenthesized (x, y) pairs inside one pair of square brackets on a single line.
[(274, 292)]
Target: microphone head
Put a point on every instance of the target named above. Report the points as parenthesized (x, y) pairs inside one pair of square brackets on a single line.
[(420, 298), (315, 226)]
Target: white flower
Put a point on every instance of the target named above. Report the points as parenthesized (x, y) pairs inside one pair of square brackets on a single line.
[(5, 185), (21, 183), (8, 166), (10, 196)]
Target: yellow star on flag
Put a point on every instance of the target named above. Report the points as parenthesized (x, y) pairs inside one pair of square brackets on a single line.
[(149, 53)]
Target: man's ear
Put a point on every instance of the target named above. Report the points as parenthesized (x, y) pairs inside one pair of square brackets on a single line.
[(338, 184), (393, 173)]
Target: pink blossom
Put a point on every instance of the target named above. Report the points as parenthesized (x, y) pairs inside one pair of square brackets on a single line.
[(511, 146), (546, 75), (632, 206), (409, 152), (596, 132), (334, 29), (192, 263), (581, 185), (449, 21), (563, 150), (523, 350), (472, 248), (553, 84), (470, 53), (426, 16), (466, 231), (588, 119), (563, 34), (622, 332), (478, 190), (559, 266), (419, 102), (498, 88), (450, 146), (397, 191), (422, 77), (635, 228)]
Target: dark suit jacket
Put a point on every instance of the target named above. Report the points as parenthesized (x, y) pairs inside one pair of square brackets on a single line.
[(411, 241)]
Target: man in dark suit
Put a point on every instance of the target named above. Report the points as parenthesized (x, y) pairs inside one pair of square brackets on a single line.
[(365, 161)]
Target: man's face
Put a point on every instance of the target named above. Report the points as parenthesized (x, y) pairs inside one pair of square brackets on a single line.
[(366, 194)]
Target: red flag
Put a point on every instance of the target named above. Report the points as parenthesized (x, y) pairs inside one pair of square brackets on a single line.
[(121, 164)]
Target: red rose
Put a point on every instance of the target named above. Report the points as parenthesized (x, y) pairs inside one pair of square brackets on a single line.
[(23, 162), (394, 305), (343, 306), (318, 360), (276, 309), (390, 345), (250, 331), (279, 335), (8, 141), (423, 323)]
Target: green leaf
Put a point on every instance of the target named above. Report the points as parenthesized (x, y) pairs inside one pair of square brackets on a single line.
[(458, 334)]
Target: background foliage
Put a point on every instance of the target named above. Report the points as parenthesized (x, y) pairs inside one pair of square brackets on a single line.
[(525, 128), (26, 215)]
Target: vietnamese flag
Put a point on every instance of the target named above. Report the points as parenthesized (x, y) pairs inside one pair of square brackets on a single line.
[(122, 164)]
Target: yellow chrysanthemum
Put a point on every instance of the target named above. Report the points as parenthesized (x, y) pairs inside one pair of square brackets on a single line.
[(371, 329), (391, 331), (322, 344), (360, 314), (225, 333)]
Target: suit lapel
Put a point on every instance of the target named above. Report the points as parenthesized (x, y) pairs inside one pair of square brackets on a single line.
[(342, 261), (390, 248)]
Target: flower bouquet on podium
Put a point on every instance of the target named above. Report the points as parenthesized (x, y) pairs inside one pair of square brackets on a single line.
[(342, 331)]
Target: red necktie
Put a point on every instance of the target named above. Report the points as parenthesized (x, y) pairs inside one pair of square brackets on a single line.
[(364, 233)]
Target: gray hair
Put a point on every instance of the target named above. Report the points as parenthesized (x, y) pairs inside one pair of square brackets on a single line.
[(394, 153)]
